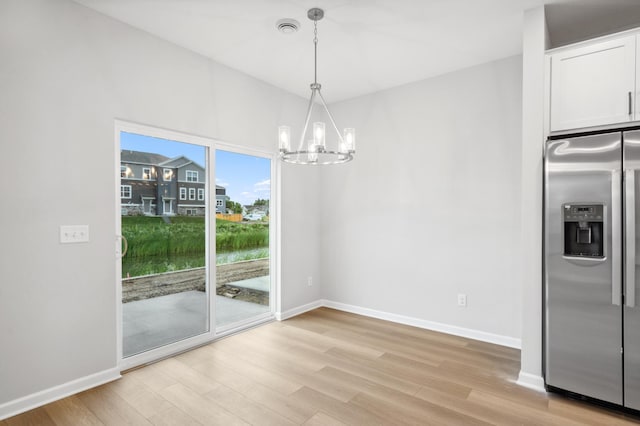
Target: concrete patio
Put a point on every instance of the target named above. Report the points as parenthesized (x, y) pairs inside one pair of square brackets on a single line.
[(155, 322)]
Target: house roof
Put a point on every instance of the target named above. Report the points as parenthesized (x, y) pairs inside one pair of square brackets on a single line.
[(128, 156), (179, 161)]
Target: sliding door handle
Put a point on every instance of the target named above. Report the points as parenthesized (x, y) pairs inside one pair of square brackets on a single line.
[(120, 240), (630, 238)]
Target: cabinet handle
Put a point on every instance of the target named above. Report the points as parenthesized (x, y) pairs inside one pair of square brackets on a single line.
[(630, 104)]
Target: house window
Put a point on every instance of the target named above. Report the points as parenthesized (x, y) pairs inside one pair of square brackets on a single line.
[(167, 174), (192, 212), (123, 171), (146, 173), (192, 193), (218, 203), (192, 176), (183, 193), (125, 191), (200, 194)]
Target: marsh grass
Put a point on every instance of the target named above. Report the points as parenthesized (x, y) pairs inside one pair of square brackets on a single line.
[(156, 246)]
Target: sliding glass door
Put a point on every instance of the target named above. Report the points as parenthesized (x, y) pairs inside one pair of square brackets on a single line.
[(194, 240), (243, 236), (163, 212)]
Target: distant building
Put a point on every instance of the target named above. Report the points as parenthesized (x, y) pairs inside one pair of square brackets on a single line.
[(152, 184)]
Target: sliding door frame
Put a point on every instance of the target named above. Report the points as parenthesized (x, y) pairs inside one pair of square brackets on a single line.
[(274, 239), (274, 243)]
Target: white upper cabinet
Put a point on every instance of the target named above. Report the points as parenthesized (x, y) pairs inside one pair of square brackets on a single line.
[(594, 84), (636, 110)]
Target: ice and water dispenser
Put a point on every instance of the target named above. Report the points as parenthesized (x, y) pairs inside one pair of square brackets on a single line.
[(583, 230)]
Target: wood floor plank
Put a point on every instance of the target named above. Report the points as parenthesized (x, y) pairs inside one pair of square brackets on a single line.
[(71, 411), (377, 342), (355, 365), (199, 407), (110, 408), (343, 411), (535, 416), (241, 406), (322, 419), (146, 401), (326, 367), (338, 319), (257, 392), (37, 417), (399, 408), (247, 367), (588, 413), (295, 364), (489, 413), (173, 416), (155, 379), (324, 342)]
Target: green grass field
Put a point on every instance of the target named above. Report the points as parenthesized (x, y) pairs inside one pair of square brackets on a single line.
[(156, 246)]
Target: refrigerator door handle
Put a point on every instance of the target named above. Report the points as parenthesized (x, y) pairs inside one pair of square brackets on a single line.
[(630, 238), (616, 233)]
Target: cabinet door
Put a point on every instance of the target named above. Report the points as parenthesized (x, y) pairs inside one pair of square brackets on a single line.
[(593, 85), (637, 92)]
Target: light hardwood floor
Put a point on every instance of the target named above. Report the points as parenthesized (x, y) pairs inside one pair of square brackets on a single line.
[(326, 367)]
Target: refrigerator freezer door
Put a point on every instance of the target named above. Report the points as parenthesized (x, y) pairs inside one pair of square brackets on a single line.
[(583, 329), (631, 166)]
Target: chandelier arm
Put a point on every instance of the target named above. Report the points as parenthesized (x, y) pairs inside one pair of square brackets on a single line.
[(306, 121), (324, 104)]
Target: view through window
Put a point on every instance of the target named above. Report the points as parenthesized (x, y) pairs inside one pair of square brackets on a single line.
[(166, 204), (243, 193), (164, 279)]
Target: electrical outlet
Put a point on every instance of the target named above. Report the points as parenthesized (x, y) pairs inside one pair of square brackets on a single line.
[(462, 300), (309, 280)]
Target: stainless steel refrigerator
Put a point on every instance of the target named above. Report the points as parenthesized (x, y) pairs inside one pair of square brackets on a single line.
[(592, 317)]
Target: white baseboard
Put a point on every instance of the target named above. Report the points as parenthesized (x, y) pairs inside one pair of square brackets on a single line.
[(281, 316), (531, 381), (29, 402), (429, 325)]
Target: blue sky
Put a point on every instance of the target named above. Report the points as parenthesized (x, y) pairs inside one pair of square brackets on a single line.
[(245, 177)]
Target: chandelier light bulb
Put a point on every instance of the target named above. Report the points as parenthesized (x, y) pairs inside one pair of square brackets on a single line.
[(349, 137), (318, 135), (284, 136), (312, 152)]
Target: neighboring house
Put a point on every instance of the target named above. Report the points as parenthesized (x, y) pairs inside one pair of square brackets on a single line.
[(221, 199), (152, 184)]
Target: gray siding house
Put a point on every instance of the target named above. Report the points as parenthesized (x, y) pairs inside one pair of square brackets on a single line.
[(155, 185)]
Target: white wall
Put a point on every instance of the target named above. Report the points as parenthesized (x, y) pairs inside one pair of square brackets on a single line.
[(66, 73), (535, 40), (431, 206)]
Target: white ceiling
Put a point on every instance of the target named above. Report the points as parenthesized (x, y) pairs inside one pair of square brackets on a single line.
[(364, 45)]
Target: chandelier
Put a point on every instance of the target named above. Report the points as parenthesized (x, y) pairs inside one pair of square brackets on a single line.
[(316, 151)]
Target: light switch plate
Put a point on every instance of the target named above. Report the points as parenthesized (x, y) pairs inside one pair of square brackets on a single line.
[(74, 234)]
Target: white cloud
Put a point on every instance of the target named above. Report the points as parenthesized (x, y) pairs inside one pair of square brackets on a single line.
[(262, 186), (220, 182)]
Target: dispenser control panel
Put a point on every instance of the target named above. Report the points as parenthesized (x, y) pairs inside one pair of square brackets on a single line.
[(583, 230), (590, 212)]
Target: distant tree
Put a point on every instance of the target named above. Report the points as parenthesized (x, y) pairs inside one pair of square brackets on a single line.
[(261, 202), (234, 207)]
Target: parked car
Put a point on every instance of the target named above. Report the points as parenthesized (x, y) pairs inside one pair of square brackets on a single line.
[(253, 216)]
